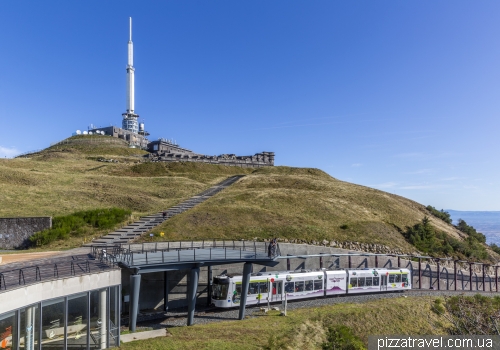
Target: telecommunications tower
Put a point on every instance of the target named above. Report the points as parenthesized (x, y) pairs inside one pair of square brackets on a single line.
[(130, 121)]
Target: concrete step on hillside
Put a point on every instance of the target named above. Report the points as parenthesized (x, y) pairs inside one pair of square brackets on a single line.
[(146, 223)]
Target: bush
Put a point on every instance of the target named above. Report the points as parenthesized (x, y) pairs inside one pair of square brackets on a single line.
[(471, 231), (443, 215), (75, 224), (340, 337), (435, 243)]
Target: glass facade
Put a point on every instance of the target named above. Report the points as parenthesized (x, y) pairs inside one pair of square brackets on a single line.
[(89, 320)]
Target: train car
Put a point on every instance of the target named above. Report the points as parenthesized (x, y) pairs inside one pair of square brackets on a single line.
[(378, 280), (304, 284)]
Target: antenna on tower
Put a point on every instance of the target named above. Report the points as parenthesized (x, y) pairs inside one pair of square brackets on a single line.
[(130, 28)]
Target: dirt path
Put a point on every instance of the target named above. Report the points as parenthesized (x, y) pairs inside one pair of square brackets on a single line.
[(17, 257)]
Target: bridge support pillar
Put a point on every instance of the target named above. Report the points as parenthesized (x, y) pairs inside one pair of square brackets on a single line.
[(192, 289), (247, 270), (135, 286), (165, 291)]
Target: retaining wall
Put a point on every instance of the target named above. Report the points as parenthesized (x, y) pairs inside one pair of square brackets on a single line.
[(15, 232)]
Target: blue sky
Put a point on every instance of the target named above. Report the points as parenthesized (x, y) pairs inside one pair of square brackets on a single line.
[(402, 96)]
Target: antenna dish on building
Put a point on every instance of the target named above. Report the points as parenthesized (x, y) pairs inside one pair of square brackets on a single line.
[(85, 132), (90, 132), (78, 132)]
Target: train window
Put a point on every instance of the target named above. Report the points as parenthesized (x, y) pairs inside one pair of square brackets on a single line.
[(354, 282), (238, 289), (289, 287), (361, 282), (398, 278), (391, 278), (299, 286), (318, 284), (368, 281), (219, 291), (309, 285), (404, 278), (253, 288), (264, 288), (376, 281)]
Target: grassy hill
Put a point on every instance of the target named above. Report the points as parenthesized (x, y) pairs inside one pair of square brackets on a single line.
[(306, 328), (88, 172), (302, 203)]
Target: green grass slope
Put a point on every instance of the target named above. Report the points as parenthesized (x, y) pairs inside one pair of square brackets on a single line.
[(298, 203), (305, 328), (291, 203)]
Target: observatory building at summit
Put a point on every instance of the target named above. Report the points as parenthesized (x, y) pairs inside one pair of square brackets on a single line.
[(162, 150)]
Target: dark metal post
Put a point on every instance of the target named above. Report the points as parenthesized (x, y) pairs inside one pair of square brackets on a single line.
[(135, 287), (192, 288), (247, 270), (470, 275), (419, 273), (288, 264), (496, 278), (399, 261), (484, 286), (320, 262), (165, 291), (438, 274), (349, 261), (455, 273), (376, 260), (210, 284)]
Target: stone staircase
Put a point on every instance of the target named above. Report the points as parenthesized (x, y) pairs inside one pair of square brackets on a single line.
[(146, 223)]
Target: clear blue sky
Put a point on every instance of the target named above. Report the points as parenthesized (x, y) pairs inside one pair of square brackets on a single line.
[(402, 96)]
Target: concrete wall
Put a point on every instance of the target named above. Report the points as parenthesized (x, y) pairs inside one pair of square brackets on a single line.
[(15, 232), (21, 297)]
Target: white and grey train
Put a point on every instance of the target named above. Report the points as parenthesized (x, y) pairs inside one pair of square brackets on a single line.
[(226, 289)]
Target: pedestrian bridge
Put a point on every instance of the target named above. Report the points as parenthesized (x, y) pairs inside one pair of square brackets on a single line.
[(169, 256)]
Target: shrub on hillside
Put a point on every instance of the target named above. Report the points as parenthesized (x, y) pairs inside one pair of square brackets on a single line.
[(76, 223), (429, 241), (471, 315), (441, 214), (471, 231), (340, 337)]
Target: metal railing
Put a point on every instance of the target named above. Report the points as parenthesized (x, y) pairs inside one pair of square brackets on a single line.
[(161, 252), (19, 277)]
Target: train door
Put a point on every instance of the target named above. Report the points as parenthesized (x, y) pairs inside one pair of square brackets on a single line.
[(383, 282), (277, 291)]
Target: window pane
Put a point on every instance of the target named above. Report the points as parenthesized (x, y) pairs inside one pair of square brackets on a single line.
[(53, 324), (98, 319), (114, 314), (361, 282), (391, 278), (405, 278), (398, 278), (299, 286), (289, 287), (376, 281), (318, 284), (7, 330), (309, 285), (368, 281), (264, 287), (30, 321), (354, 282), (77, 320), (238, 289), (253, 288)]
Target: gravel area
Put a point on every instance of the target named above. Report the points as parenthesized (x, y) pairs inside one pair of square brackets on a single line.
[(204, 315)]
